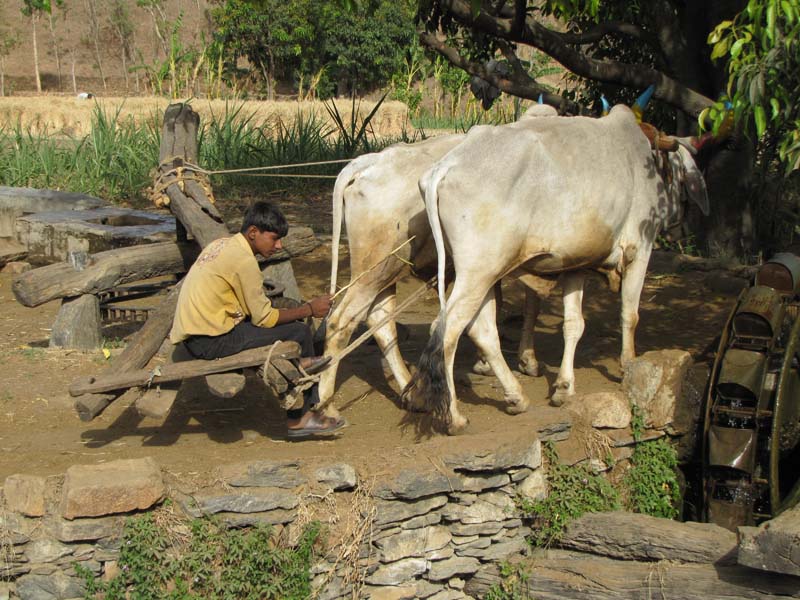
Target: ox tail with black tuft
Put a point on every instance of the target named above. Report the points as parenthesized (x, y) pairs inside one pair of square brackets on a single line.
[(428, 389)]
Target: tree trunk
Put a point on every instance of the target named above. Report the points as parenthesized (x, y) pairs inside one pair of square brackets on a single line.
[(94, 27), (34, 17), (55, 48)]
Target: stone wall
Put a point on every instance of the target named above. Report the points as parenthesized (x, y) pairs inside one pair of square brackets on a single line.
[(436, 528), (419, 534)]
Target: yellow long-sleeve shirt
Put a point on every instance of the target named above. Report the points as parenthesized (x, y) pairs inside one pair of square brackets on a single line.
[(223, 287)]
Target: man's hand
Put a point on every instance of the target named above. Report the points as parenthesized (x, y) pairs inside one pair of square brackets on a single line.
[(320, 306)]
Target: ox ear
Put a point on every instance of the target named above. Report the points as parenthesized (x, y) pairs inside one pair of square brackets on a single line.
[(693, 182)]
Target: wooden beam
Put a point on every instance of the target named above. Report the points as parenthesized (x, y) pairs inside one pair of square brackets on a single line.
[(105, 270), (183, 370)]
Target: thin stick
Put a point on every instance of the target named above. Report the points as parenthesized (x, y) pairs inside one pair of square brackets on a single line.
[(372, 267), (431, 283)]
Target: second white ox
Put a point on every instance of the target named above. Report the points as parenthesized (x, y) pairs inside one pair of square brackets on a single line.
[(378, 196), (569, 194)]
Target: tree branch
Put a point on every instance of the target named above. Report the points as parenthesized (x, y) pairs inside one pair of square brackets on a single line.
[(520, 84), (553, 44)]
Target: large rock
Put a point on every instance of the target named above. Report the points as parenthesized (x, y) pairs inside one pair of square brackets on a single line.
[(80, 530), (412, 484), (340, 476), (654, 382), (78, 325), (457, 565), (413, 542), (263, 473), (25, 494), (603, 410), (491, 507), (774, 546), (505, 456), (251, 501), (115, 487), (534, 487), (398, 572), (46, 551), (56, 586), (395, 511), (631, 536)]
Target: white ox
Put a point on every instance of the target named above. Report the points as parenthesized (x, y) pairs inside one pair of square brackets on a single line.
[(378, 196), (539, 198)]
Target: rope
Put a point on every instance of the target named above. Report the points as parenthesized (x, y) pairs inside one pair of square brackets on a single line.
[(430, 284), (191, 172), (271, 168)]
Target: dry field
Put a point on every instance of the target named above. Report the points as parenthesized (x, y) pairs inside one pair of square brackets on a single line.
[(69, 116)]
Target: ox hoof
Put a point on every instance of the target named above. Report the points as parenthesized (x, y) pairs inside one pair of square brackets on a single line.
[(482, 367), (561, 395), (517, 407), (529, 369), (458, 425)]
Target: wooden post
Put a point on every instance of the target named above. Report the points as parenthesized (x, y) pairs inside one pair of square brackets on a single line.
[(178, 141)]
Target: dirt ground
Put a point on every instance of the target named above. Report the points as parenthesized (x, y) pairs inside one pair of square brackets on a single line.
[(40, 432)]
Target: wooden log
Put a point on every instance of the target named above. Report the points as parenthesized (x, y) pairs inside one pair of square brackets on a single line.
[(179, 371), (179, 141), (105, 270), (560, 575), (88, 406)]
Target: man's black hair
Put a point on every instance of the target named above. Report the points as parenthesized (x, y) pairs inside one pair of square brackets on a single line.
[(265, 217)]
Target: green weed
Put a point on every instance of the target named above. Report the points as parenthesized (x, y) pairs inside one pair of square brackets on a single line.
[(205, 560), (573, 491), (513, 584), (652, 483)]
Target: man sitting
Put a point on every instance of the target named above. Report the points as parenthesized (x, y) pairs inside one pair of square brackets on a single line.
[(222, 309)]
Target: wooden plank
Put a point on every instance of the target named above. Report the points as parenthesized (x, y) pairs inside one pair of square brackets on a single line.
[(179, 371), (105, 270)]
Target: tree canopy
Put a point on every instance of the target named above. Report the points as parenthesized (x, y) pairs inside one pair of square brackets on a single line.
[(321, 43), (620, 47)]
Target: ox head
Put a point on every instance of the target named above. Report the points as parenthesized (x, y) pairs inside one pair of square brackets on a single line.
[(684, 178)]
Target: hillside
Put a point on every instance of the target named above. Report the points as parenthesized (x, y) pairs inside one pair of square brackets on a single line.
[(73, 34)]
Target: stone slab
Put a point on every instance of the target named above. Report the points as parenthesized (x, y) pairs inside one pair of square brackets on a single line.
[(52, 236), (115, 487), (25, 494), (339, 477), (78, 325), (263, 473)]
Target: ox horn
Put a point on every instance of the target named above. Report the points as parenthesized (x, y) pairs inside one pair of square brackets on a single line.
[(606, 106), (641, 102), (541, 99)]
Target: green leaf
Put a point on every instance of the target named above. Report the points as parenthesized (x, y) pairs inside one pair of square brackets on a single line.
[(776, 107), (475, 7), (736, 48), (721, 48), (761, 120)]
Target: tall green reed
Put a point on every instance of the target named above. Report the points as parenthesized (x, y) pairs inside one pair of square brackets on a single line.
[(116, 159)]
